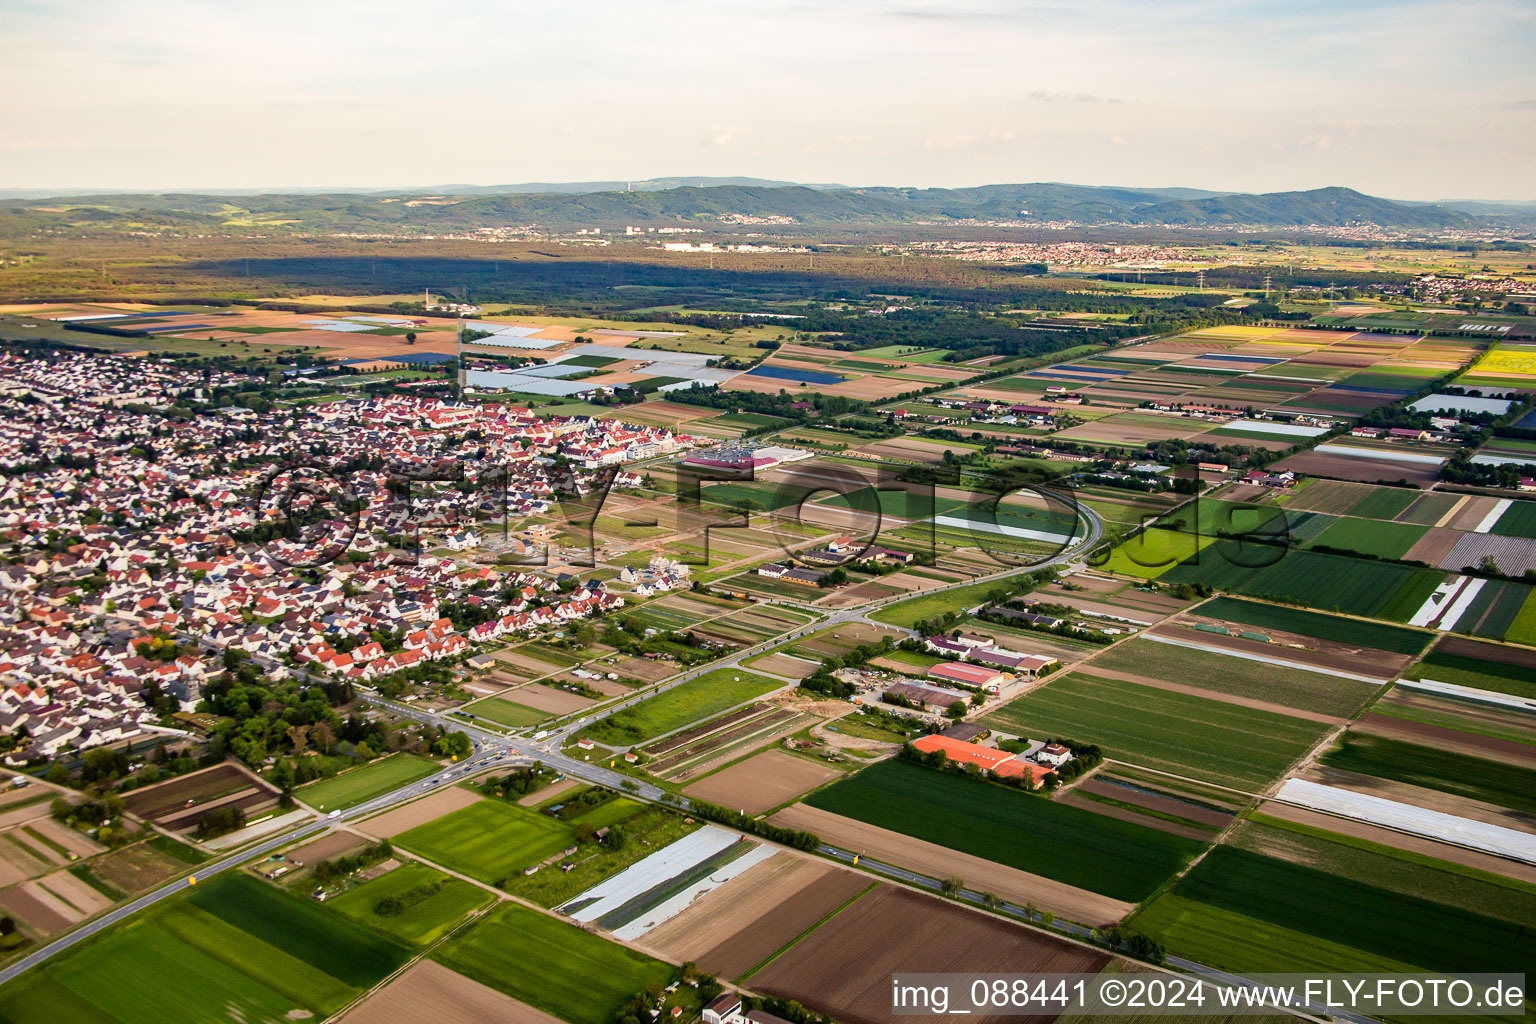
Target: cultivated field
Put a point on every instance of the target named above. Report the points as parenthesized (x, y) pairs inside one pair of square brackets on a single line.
[(762, 782), (938, 861), (1211, 740), (239, 949), (434, 903), (581, 978), (1226, 674), (709, 694), (838, 970), (418, 812), (1118, 859), (428, 991), (488, 840), (363, 784), (734, 928)]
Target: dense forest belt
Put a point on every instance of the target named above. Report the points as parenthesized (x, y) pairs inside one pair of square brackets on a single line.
[(112, 268)]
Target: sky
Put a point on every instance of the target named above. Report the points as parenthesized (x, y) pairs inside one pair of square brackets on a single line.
[(1411, 100)]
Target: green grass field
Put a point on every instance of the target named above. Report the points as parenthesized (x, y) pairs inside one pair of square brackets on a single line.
[(489, 840), (696, 699), (1519, 520), (421, 923), (1244, 911), (551, 965), (362, 784), (1242, 748), (234, 948), (905, 613), (1118, 858), (1151, 553), (899, 504), (1371, 537), (647, 827), (1383, 590), (1384, 503), (1322, 626), (505, 711), (1476, 778), (1222, 673)]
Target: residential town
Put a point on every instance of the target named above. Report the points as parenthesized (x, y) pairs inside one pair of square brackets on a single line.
[(143, 558)]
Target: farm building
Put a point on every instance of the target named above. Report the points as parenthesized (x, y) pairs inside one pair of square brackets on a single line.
[(990, 759), (968, 732), (971, 675), (805, 577), (927, 696)]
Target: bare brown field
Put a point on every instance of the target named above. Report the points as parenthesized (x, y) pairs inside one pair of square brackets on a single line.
[(732, 929), (1490, 652), (673, 412), (39, 913), (1020, 887), (549, 792), (844, 967), (1348, 467), (645, 670), (1435, 545), (1137, 432), (165, 798), (1470, 513), (762, 781), (905, 449), (15, 795), (1073, 799), (429, 993), (785, 665), (22, 815), (75, 842), (1141, 797), (64, 886), (526, 665), (18, 863), (328, 847), (419, 812), (547, 698), (135, 869)]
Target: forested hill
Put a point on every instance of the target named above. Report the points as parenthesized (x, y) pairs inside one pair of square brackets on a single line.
[(793, 205)]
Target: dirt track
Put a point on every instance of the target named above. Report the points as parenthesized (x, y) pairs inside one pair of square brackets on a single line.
[(936, 861)]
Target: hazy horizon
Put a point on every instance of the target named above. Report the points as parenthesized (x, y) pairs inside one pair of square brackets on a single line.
[(237, 190), (1414, 101)]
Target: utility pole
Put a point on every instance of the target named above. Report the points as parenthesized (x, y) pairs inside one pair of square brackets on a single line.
[(1266, 287), (1202, 282)]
